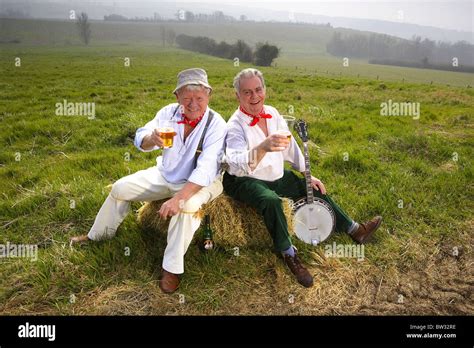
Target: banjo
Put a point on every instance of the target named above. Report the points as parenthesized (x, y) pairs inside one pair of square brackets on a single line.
[(313, 218)]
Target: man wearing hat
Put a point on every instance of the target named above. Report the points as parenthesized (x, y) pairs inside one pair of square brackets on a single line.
[(188, 173)]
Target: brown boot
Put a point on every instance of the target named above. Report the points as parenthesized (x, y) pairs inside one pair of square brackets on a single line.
[(365, 231), (297, 268), (169, 282)]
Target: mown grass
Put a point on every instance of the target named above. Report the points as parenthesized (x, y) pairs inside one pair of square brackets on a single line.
[(425, 163)]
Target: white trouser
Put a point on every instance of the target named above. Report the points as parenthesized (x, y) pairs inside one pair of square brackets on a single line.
[(149, 185)]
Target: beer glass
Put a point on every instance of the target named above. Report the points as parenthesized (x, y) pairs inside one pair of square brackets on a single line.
[(285, 124), (166, 128)]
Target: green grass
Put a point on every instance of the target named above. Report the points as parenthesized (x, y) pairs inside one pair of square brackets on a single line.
[(303, 46), (329, 66), (66, 158)]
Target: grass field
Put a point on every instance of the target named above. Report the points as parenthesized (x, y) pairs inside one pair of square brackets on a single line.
[(302, 46), (416, 173)]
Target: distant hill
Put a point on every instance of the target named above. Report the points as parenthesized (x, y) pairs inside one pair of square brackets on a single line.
[(403, 30), (168, 10)]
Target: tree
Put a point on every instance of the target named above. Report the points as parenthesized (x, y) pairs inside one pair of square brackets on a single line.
[(224, 50), (242, 51), (84, 27), (335, 45), (265, 53), (425, 62), (163, 35), (218, 16), (170, 37), (115, 17), (189, 16)]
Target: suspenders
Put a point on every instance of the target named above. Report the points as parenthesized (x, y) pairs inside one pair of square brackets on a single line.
[(199, 148)]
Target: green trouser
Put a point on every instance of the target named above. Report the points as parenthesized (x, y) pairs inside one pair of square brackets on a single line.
[(264, 196)]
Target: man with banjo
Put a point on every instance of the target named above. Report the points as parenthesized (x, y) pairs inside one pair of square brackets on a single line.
[(256, 149)]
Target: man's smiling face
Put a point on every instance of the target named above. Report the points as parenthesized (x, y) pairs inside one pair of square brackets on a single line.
[(251, 95), (194, 101)]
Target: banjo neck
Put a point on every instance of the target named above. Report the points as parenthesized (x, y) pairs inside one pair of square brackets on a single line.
[(314, 218), (307, 174)]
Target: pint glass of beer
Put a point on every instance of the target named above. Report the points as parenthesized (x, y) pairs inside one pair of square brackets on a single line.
[(167, 132), (285, 124)]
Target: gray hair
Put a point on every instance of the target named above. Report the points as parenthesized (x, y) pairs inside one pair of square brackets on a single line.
[(246, 73), (193, 88)]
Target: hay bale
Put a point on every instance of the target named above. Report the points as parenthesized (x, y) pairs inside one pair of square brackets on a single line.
[(233, 223)]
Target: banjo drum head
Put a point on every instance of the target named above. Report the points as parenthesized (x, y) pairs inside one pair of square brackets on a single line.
[(314, 222)]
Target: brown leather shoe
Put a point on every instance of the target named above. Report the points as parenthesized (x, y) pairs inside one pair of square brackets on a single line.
[(365, 231), (169, 282), (297, 268)]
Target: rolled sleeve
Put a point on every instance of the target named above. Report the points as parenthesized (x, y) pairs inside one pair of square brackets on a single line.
[(149, 128), (295, 157), (209, 162), (139, 135)]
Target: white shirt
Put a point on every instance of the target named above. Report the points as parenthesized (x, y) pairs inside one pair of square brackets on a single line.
[(241, 139), (176, 164)]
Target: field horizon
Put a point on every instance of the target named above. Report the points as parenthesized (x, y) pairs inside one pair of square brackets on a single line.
[(303, 46)]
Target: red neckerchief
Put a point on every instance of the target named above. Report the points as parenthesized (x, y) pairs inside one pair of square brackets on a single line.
[(192, 123), (256, 118)]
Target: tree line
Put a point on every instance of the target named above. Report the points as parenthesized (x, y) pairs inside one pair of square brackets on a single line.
[(263, 54), (181, 16), (214, 17), (385, 49)]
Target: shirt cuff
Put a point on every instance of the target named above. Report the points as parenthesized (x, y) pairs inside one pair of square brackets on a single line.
[(201, 179), (138, 141), (240, 164)]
